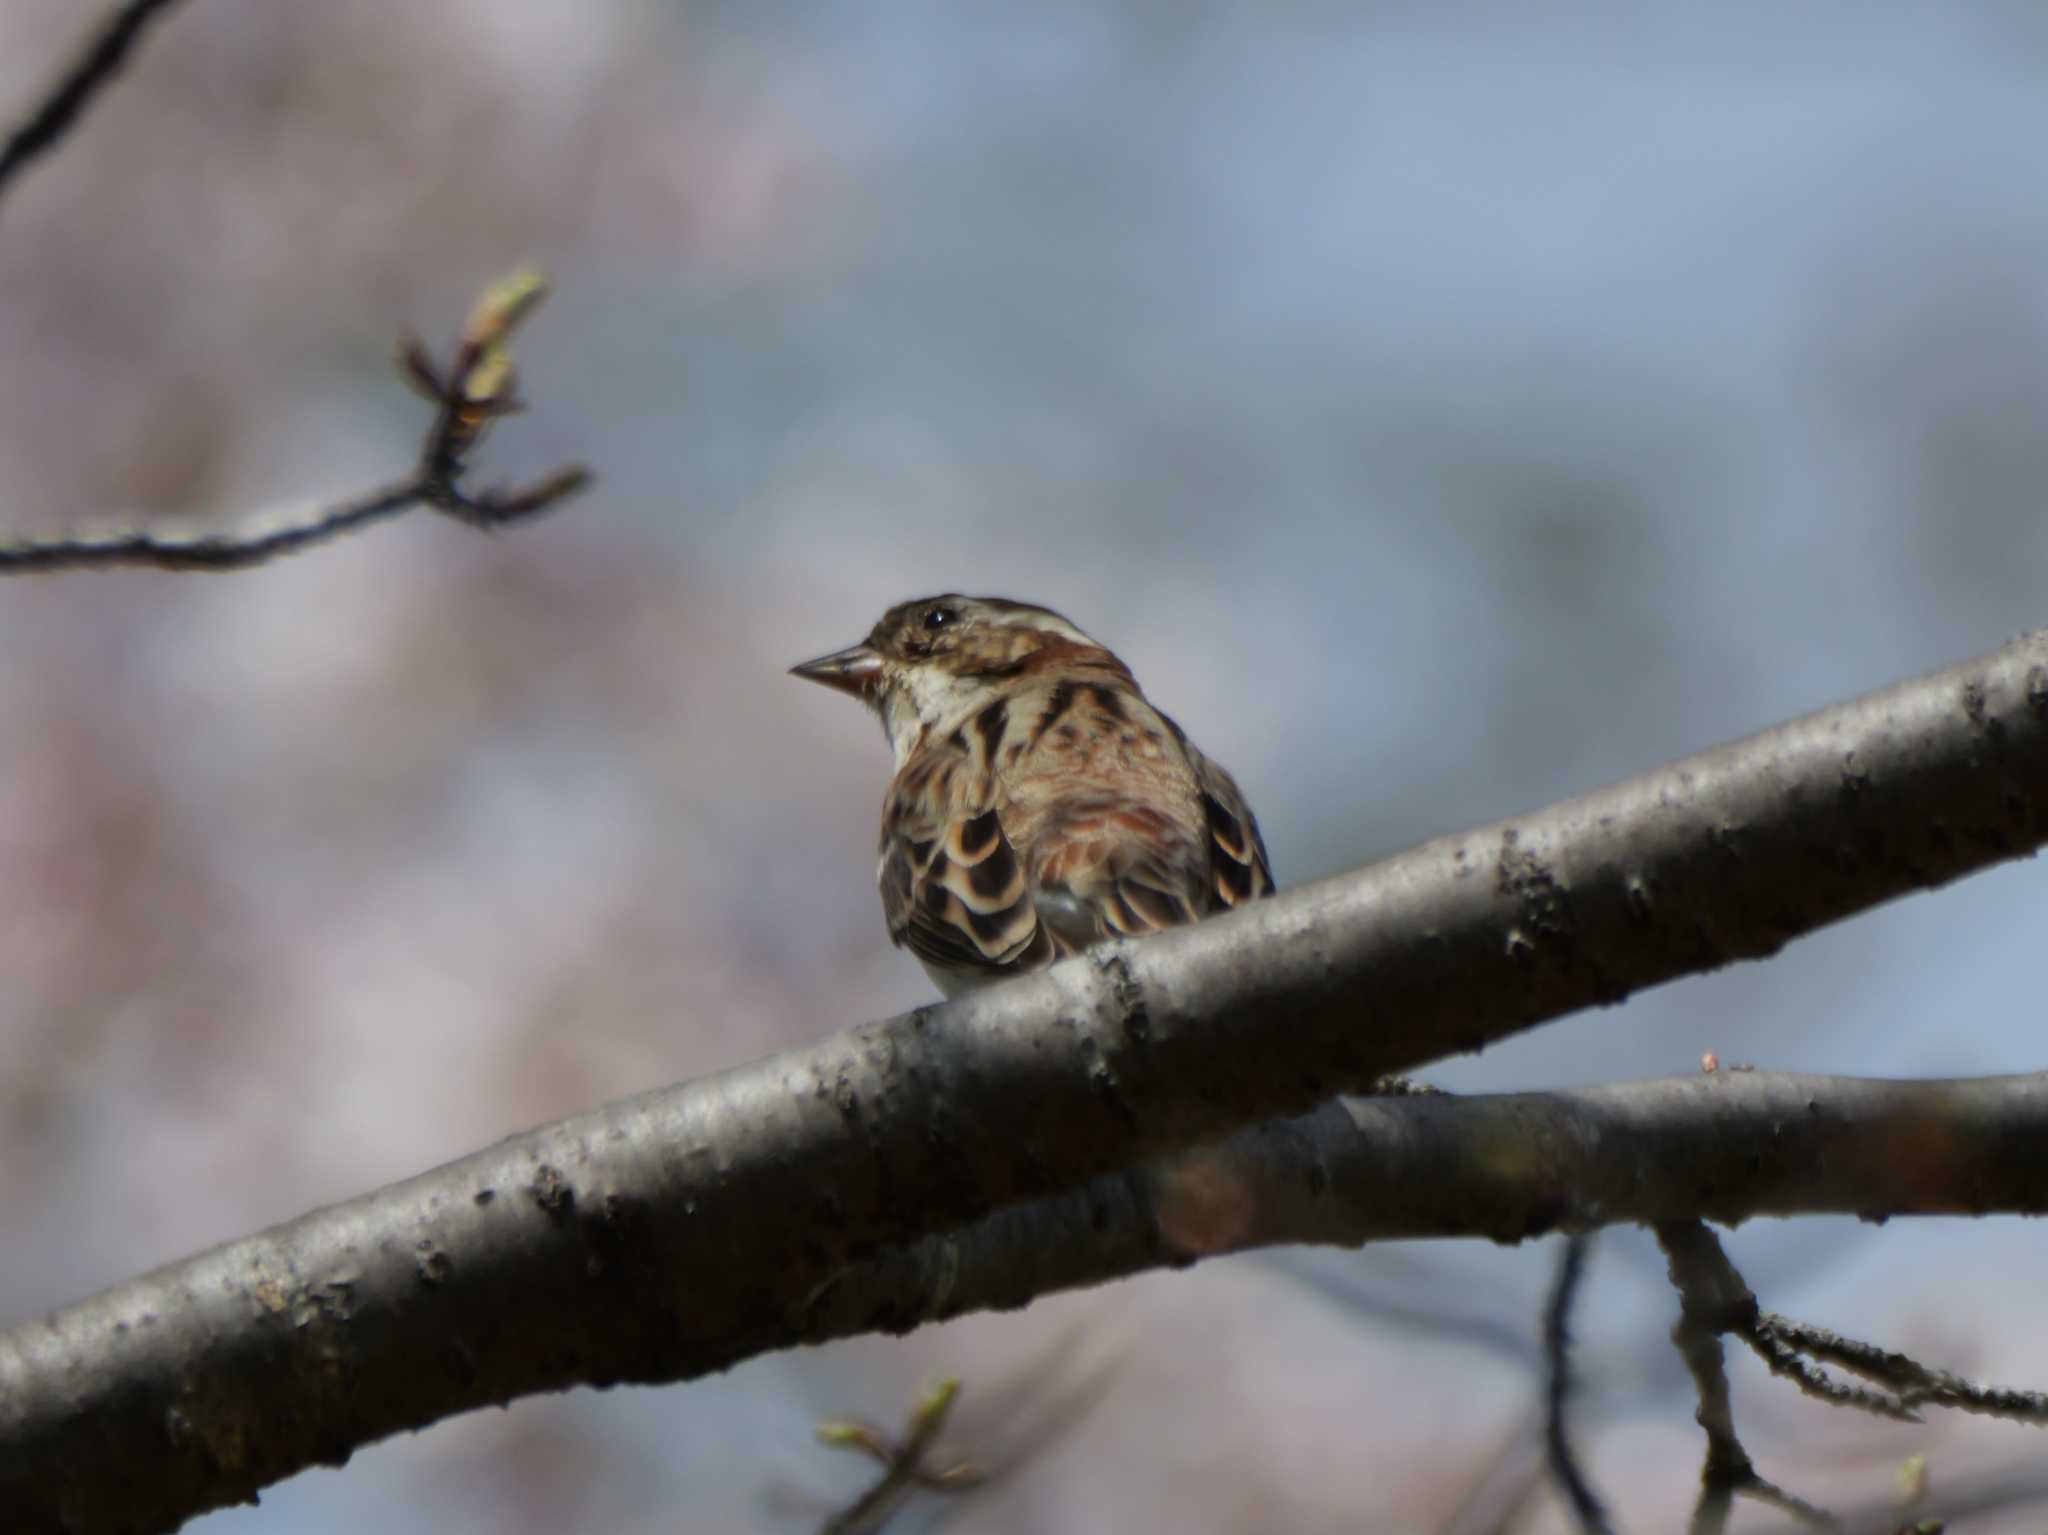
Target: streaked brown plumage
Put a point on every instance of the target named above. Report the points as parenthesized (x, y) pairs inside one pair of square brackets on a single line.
[(1040, 802)]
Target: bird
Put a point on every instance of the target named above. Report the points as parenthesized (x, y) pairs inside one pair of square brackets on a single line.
[(1041, 803)]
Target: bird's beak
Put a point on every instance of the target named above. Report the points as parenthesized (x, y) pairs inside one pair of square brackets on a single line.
[(854, 670)]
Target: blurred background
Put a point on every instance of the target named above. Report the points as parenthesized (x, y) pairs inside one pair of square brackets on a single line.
[(1443, 409)]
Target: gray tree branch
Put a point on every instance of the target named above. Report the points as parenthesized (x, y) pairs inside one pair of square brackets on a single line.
[(675, 1233)]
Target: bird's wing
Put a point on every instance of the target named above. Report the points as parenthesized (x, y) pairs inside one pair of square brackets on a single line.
[(958, 894), (1238, 868), (1109, 868), (1116, 870), (953, 888)]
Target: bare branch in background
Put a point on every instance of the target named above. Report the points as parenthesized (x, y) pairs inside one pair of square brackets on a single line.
[(1565, 1470), (904, 1468), (65, 102), (1508, 1477), (477, 387)]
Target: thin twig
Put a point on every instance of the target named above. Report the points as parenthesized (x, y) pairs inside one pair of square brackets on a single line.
[(476, 388), (65, 102), (1935, 1510), (1564, 1465), (1786, 1362), (1915, 1383), (904, 1468), (213, 551)]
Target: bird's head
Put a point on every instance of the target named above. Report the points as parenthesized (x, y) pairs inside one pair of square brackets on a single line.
[(933, 662)]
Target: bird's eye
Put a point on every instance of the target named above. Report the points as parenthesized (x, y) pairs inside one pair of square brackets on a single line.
[(938, 618)]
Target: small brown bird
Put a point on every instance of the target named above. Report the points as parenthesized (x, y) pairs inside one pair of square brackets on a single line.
[(1040, 803)]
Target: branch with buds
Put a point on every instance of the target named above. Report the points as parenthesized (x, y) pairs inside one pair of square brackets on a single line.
[(475, 389), (904, 1464), (480, 386)]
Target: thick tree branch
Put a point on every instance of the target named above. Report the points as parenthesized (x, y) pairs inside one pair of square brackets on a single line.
[(677, 1232), (1503, 1167), (390, 1304)]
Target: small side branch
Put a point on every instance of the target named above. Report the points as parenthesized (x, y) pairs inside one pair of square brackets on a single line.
[(95, 67), (1713, 1300), (1785, 1361), (477, 387), (1913, 1384)]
